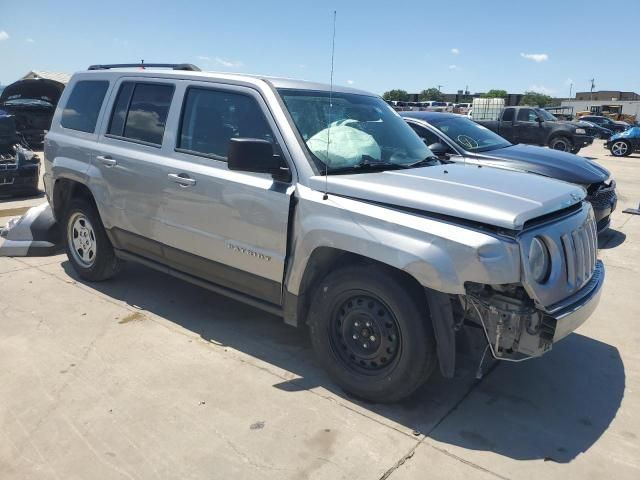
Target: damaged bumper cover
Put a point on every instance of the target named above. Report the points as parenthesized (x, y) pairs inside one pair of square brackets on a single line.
[(517, 330)]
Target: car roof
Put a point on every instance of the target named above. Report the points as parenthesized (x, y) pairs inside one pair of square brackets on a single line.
[(428, 116), (276, 82)]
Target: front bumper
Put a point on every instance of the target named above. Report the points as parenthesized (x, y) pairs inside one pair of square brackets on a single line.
[(582, 140), (604, 201), (574, 311)]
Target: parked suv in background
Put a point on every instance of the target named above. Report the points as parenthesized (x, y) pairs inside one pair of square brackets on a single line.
[(320, 205)]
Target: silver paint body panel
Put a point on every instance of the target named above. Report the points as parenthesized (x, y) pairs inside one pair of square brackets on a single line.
[(243, 220)]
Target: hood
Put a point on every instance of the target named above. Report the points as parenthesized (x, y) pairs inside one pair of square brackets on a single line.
[(487, 195), (633, 132), (545, 161), (33, 89)]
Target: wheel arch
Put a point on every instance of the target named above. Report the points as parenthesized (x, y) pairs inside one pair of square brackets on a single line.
[(65, 190), (437, 305)]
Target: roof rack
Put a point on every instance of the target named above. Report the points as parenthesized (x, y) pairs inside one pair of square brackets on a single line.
[(175, 66)]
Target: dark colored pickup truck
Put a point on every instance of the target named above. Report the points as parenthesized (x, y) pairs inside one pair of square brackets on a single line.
[(536, 126)]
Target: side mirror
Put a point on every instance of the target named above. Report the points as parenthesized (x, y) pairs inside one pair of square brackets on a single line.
[(439, 149), (255, 155)]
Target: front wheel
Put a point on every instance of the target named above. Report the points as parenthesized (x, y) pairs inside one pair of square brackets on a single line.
[(88, 247), (562, 144), (621, 148), (371, 330), (575, 150)]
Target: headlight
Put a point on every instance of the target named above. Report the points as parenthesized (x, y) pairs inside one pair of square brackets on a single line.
[(539, 260), (581, 131)]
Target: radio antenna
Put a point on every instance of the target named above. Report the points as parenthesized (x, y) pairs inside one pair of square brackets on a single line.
[(326, 163)]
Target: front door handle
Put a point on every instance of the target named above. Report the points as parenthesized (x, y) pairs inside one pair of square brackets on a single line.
[(106, 160), (181, 179)]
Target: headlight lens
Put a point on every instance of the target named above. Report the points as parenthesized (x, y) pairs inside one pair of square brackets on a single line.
[(581, 131), (539, 260)]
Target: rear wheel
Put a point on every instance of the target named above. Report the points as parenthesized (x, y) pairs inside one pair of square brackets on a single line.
[(621, 148), (371, 331), (88, 247), (564, 144)]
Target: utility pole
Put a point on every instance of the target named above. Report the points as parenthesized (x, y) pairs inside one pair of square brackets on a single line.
[(570, 89), (440, 86), (593, 85)]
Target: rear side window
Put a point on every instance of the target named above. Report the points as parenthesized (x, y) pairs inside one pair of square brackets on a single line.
[(140, 111), (83, 106), (507, 116), (211, 118)]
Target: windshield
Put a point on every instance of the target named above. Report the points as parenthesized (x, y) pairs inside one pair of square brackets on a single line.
[(470, 135), (546, 115), (352, 131)]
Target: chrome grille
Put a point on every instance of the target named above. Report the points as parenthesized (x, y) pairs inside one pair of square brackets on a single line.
[(580, 251)]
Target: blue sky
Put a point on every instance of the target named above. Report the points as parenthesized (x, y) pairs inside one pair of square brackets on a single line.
[(380, 45)]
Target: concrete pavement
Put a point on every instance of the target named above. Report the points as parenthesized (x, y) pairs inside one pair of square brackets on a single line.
[(146, 376)]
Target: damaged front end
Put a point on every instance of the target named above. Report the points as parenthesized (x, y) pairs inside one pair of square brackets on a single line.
[(19, 166), (561, 286)]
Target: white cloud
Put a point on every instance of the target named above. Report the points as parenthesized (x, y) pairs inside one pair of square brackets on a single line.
[(542, 89), (350, 82), (30, 40), (3, 35), (204, 58), (455, 51), (228, 63), (536, 57), (454, 67)]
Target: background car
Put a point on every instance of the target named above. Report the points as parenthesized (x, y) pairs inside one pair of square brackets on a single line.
[(32, 102), (455, 138), (606, 122), (598, 131), (624, 143)]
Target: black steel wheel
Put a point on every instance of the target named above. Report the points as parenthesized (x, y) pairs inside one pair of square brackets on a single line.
[(364, 333), (371, 330)]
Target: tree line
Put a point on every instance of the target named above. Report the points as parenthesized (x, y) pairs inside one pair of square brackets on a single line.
[(433, 94)]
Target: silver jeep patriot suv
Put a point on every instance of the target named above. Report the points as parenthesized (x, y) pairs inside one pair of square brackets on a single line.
[(321, 205)]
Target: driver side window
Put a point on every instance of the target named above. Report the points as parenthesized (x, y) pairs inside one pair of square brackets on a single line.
[(211, 118), (527, 115), (428, 136)]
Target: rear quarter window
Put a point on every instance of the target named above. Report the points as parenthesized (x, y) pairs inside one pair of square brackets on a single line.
[(84, 104)]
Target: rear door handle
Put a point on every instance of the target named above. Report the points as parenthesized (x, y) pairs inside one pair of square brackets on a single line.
[(181, 179), (106, 160)]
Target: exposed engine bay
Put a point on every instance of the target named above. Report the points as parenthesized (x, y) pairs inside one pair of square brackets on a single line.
[(514, 327)]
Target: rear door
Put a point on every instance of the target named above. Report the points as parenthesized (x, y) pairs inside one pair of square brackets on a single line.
[(225, 226), (131, 162)]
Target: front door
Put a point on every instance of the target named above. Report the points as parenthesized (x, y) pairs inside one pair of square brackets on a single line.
[(225, 226), (528, 129)]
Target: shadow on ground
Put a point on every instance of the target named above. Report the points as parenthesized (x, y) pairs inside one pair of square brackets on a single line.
[(611, 238), (550, 408)]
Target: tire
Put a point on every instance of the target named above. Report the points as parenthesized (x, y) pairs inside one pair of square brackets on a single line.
[(87, 245), (576, 150), (371, 331), (562, 143), (621, 148)]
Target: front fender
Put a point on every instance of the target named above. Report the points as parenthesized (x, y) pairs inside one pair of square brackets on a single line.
[(440, 255)]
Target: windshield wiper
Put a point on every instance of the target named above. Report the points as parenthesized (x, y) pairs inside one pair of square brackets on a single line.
[(367, 164), (427, 162)]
